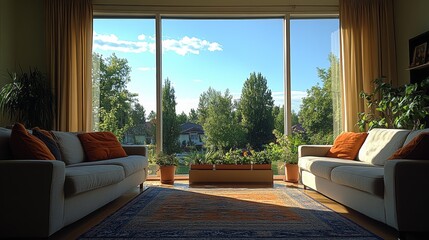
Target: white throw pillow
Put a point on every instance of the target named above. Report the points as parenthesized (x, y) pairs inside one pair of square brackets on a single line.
[(381, 144)]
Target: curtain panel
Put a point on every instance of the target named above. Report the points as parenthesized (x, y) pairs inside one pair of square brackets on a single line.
[(367, 52), (69, 48)]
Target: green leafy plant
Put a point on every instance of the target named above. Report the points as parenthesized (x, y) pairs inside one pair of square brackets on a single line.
[(286, 147), (163, 159), (261, 157), (28, 99), (196, 157), (404, 107), (214, 157)]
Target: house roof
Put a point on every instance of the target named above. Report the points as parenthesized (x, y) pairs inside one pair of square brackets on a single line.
[(189, 127)]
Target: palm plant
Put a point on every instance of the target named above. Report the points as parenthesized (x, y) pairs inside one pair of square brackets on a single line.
[(28, 99)]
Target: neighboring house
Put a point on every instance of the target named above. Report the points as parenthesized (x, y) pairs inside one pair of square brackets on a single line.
[(140, 134), (191, 134)]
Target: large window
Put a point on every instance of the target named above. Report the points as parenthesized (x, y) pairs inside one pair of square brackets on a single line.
[(315, 82), (210, 68)]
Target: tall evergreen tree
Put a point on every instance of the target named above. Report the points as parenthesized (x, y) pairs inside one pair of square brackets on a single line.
[(170, 126), (256, 108)]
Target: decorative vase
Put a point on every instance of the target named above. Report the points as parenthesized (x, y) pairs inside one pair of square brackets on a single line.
[(167, 174), (291, 172)]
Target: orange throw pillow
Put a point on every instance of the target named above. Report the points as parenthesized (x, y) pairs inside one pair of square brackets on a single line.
[(26, 146), (418, 149), (101, 146), (347, 145)]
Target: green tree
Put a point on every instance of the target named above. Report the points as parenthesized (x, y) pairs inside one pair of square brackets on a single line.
[(138, 114), (193, 116), (256, 107), (152, 116), (182, 118), (170, 126), (221, 130), (203, 104), (111, 75), (316, 114)]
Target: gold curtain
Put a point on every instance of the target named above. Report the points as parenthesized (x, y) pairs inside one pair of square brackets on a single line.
[(69, 47), (367, 52)]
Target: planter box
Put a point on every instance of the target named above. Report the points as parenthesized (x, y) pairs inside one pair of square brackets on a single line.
[(261, 166), (231, 176), (201, 166), (233, 167)]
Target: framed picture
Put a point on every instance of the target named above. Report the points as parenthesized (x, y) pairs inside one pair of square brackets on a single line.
[(420, 54)]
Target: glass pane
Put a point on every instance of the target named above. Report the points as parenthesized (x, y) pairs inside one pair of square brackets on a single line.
[(124, 80), (315, 79), (205, 66)]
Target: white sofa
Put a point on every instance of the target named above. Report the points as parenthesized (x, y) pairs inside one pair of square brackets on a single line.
[(394, 192), (39, 197)]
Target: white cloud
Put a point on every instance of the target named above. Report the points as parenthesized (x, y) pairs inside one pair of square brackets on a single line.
[(296, 99), (197, 81), (183, 46)]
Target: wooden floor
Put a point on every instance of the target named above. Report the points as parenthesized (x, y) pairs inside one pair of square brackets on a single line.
[(74, 230)]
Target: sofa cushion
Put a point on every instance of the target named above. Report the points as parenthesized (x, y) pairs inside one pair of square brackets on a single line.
[(84, 178), (5, 151), (347, 145), (418, 149), (131, 164), (381, 144), (49, 141), (367, 179), (70, 147), (26, 146), (414, 134), (101, 146), (322, 166)]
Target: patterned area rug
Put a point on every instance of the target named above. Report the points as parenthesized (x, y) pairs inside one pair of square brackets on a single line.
[(275, 213)]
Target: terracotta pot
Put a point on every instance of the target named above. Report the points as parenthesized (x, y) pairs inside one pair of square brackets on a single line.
[(291, 172), (167, 174), (261, 166), (233, 167), (201, 166)]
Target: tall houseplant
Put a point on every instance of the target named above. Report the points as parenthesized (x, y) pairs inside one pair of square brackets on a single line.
[(404, 107), (28, 99)]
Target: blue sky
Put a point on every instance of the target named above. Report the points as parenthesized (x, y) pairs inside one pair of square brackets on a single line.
[(198, 54)]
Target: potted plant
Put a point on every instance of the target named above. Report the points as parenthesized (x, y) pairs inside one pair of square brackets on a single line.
[(289, 153), (167, 166), (404, 107), (28, 99)]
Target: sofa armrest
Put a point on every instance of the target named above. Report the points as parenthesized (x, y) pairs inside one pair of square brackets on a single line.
[(31, 197), (313, 150), (135, 150), (406, 194)]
